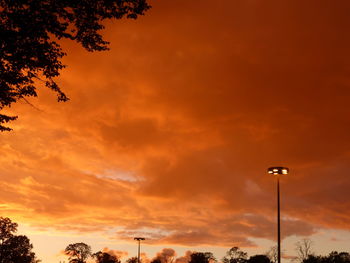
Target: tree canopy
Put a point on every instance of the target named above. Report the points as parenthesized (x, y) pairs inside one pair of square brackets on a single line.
[(333, 257), (202, 257), (14, 248), (29, 50), (104, 257), (235, 255), (132, 260), (78, 252), (259, 259), (7, 229), (156, 260)]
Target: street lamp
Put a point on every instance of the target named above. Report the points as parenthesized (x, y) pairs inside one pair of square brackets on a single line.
[(278, 171), (138, 251)]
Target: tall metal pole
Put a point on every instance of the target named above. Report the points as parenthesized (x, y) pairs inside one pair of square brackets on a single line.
[(278, 170), (138, 250), (278, 221)]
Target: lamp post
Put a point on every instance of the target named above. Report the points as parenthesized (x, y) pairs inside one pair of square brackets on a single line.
[(278, 171), (138, 251)]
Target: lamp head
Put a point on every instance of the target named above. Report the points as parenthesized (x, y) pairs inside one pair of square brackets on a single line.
[(278, 170), (139, 238)]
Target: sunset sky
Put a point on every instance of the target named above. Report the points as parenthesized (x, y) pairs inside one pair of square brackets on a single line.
[(169, 134)]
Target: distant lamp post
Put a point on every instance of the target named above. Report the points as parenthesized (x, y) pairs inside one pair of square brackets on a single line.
[(139, 239), (278, 171)]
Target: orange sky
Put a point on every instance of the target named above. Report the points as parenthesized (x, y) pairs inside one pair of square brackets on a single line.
[(169, 134)]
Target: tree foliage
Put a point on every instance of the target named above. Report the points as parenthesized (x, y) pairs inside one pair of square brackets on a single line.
[(132, 260), (167, 255), (7, 229), (78, 252), (156, 260), (103, 257), (333, 257), (202, 257), (29, 48), (272, 254), (235, 255), (14, 248), (259, 259)]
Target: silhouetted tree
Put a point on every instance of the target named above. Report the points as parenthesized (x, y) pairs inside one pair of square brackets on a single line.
[(7, 228), (13, 248), (333, 257), (132, 260), (341, 257), (166, 255), (103, 257), (202, 257), (272, 254), (78, 252), (259, 259), (304, 249), (29, 31), (235, 255), (156, 260), (313, 259)]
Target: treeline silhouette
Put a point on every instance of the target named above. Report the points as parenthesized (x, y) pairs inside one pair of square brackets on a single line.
[(18, 249)]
